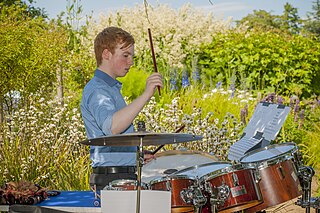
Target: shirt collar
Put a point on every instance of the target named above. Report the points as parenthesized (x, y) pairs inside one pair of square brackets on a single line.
[(106, 78)]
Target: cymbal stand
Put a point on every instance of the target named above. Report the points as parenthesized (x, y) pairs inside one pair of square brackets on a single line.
[(140, 160), (305, 174)]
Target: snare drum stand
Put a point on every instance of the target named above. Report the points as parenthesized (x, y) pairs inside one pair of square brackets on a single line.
[(306, 201)]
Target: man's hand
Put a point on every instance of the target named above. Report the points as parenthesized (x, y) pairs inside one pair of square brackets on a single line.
[(148, 156)]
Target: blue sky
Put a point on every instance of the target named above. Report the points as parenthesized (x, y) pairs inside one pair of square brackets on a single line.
[(221, 8)]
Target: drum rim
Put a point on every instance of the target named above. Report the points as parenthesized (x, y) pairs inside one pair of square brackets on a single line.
[(116, 184), (125, 181), (282, 155), (199, 166), (169, 178), (227, 170)]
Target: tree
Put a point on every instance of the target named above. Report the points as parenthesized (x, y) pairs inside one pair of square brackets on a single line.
[(312, 24), (290, 19), (75, 68), (261, 19), (28, 9), (29, 53)]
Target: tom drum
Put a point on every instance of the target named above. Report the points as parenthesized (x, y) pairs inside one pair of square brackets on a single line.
[(278, 176)]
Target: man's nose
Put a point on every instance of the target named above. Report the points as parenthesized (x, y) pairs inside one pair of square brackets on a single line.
[(131, 61)]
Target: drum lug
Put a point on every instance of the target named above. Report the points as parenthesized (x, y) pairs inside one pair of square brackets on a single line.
[(235, 179), (219, 194), (148, 186), (208, 187), (224, 192), (193, 195), (256, 175), (168, 186), (281, 172), (297, 159)]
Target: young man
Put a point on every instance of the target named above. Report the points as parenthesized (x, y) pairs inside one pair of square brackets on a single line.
[(104, 110)]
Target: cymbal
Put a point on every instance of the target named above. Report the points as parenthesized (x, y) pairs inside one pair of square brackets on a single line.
[(141, 138)]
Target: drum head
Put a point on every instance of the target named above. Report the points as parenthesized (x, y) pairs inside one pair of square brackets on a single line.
[(172, 161), (268, 153), (203, 169)]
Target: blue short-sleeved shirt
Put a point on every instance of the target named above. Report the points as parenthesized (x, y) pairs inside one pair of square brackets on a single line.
[(101, 98)]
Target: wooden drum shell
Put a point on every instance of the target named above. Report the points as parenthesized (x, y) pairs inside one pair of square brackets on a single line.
[(279, 183), (243, 195), (175, 184)]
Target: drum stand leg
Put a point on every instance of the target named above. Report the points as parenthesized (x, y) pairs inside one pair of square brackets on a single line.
[(316, 204), (214, 208), (139, 168), (139, 162), (305, 176), (197, 210)]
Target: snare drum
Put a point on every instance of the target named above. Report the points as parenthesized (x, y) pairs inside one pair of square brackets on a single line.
[(176, 184), (229, 187), (171, 161), (279, 180), (123, 185)]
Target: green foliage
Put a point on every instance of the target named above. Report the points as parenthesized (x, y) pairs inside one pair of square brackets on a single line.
[(291, 19), (78, 69), (79, 64), (220, 99), (302, 127), (261, 19), (29, 53), (27, 8), (134, 83), (273, 62), (311, 146), (312, 24)]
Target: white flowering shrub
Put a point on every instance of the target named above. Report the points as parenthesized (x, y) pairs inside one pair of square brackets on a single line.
[(219, 128), (175, 34), (41, 144)]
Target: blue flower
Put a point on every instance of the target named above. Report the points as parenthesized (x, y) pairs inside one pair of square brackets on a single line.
[(185, 79), (173, 80)]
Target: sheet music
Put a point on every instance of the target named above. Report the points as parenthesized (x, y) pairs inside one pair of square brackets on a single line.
[(264, 125), (267, 118), (238, 149)]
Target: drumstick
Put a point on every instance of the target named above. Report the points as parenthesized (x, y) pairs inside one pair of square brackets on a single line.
[(153, 57), (157, 149)]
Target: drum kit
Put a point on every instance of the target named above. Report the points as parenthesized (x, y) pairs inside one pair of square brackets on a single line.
[(200, 183)]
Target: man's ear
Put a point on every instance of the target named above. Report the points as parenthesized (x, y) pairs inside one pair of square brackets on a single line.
[(106, 54)]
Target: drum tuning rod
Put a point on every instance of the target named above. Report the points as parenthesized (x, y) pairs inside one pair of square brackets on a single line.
[(160, 147)]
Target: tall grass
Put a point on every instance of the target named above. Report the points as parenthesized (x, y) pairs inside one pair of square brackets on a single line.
[(41, 144)]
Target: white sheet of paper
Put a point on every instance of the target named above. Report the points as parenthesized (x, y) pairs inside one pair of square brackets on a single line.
[(267, 119), (126, 201)]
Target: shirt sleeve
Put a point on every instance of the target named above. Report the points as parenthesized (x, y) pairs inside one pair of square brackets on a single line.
[(102, 105)]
